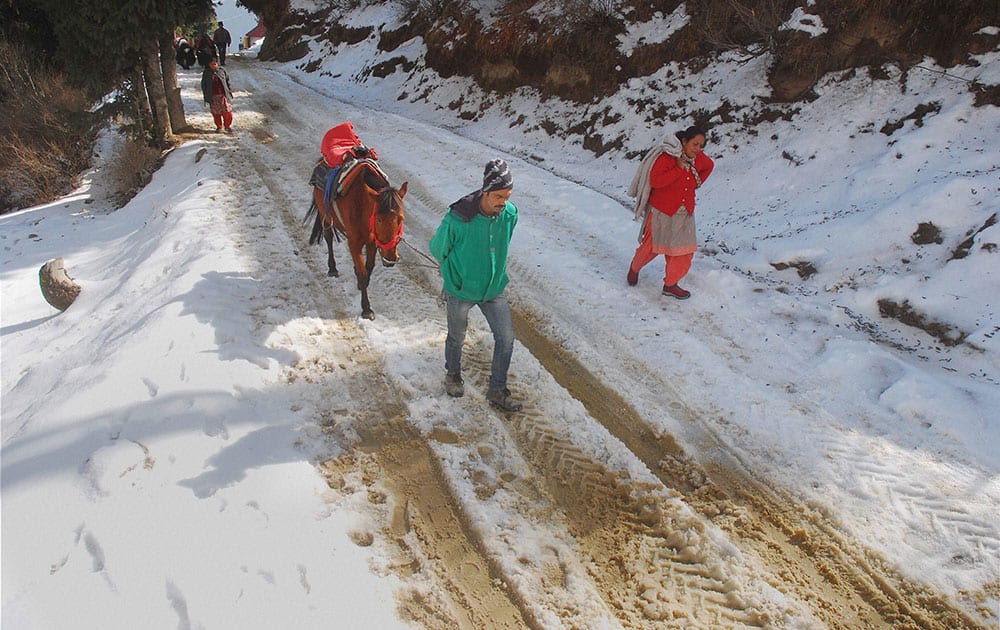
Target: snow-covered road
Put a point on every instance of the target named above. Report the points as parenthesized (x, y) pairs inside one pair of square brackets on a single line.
[(657, 504), (214, 398)]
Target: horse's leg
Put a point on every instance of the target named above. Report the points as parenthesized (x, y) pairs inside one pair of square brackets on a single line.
[(370, 250), (331, 264), (363, 272), (321, 229)]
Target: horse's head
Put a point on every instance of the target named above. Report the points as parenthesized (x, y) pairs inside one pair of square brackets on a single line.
[(387, 223)]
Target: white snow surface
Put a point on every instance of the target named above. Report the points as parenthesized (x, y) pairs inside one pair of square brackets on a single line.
[(656, 30), (806, 22), (159, 467)]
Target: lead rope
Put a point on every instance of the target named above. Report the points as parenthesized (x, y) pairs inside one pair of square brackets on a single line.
[(433, 263), (442, 299)]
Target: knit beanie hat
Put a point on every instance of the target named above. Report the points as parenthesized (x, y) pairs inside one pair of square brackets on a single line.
[(497, 176)]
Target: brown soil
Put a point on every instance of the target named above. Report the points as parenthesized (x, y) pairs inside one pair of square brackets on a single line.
[(847, 585), (575, 55)]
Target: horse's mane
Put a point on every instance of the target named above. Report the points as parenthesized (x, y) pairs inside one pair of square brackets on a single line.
[(374, 177), (388, 200), (388, 197)]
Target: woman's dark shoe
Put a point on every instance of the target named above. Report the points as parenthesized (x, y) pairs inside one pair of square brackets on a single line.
[(676, 291), (632, 277)]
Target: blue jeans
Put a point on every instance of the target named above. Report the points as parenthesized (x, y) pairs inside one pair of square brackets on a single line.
[(497, 313)]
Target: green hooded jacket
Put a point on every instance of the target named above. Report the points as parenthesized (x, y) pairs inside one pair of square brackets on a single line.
[(472, 249)]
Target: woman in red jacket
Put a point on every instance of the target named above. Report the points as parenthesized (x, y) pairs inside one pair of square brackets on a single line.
[(668, 227)]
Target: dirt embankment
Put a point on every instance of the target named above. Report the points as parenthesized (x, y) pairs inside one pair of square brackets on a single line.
[(575, 54)]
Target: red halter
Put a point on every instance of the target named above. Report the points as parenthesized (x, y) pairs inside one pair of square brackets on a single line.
[(390, 244)]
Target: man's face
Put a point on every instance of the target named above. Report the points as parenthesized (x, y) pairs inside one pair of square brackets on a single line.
[(493, 202)]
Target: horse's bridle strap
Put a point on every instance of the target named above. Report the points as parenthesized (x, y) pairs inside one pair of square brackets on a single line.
[(390, 244)]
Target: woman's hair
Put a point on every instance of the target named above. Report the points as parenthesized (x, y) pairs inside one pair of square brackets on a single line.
[(689, 133)]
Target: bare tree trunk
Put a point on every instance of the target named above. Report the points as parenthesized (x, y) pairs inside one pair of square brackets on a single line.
[(168, 64), (143, 115), (157, 94)]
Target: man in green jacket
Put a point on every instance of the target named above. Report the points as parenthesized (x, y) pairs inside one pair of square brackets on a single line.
[(471, 244)]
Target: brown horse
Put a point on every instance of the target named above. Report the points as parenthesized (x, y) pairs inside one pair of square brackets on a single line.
[(369, 212)]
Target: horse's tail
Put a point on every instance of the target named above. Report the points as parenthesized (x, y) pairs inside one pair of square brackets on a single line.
[(313, 209), (317, 233)]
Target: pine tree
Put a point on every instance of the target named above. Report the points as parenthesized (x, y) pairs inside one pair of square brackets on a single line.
[(104, 43)]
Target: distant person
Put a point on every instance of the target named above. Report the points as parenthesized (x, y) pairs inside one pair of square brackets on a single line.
[(471, 244), (222, 41), (205, 50), (185, 54), (664, 188), (218, 93)]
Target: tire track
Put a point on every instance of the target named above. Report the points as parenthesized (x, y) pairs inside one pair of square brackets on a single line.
[(428, 533), (652, 559), (646, 558), (849, 586)]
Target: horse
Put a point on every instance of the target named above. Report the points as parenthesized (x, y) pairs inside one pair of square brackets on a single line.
[(369, 213)]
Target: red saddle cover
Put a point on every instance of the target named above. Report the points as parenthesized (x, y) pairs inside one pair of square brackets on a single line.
[(340, 141)]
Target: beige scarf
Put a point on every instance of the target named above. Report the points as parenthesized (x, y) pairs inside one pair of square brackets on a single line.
[(640, 188)]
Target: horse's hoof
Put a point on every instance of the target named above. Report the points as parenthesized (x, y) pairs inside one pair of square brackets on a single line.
[(333, 274), (368, 315)]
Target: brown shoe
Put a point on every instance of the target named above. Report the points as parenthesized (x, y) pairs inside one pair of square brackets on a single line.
[(454, 386), (502, 400), (676, 291)]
